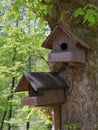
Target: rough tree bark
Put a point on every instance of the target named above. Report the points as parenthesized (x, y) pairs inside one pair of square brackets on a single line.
[(80, 105)]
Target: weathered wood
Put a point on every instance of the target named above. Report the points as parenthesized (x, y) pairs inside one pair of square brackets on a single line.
[(30, 91), (50, 97), (56, 117), (78, 56), (61, 38), (40, 81), (59, 28), (60, 57), (66, 46), (31, 101)]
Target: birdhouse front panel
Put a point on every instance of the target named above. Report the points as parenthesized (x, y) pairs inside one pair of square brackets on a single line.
[(62, 43)]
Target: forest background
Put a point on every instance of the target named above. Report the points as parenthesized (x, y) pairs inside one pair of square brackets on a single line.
[(23, 28)]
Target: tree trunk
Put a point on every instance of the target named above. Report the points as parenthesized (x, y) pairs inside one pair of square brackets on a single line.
[(10, 98), (79, 107), (4, 115), (10, 111)]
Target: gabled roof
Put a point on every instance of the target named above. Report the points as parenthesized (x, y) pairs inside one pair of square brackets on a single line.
[(41, 81), (58, 27)]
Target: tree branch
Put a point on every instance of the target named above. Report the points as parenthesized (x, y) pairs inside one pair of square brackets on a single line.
[(47, 3), (44, 59)]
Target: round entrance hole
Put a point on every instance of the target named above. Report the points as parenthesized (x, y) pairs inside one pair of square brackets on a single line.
[(64, 46)]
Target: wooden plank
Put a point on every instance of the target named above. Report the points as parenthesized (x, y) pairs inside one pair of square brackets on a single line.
[(30, 91), (40, 81), (30, 101), (50, 97), (60, 57), (22, 85), (80, 54), (60, 95), (67, 57), (56, 117)]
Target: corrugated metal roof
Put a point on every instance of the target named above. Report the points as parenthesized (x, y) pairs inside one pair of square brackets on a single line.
[(41, 81), (48, 42)]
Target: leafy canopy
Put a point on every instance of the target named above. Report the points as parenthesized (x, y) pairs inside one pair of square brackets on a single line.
[(89, 14)]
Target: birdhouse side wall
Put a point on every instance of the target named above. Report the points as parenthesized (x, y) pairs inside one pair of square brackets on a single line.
[(79, 54), (51, 97)]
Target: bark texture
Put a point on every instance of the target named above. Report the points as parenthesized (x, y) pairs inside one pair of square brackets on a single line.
[(81, 105)]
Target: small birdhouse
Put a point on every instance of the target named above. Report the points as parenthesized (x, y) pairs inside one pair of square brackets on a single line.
[(65, 46), (45, 88)]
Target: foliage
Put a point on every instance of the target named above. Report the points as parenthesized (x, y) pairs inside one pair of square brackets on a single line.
[(21, 36), (71, 126), (89, 14), (36, 6)]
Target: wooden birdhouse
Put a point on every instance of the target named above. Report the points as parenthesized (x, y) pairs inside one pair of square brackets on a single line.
[(45, 88), (65, 46)]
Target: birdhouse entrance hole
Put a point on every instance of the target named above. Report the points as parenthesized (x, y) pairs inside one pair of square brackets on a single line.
[(64, 46)]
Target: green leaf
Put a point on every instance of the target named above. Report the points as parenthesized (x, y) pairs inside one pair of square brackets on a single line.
[(75, 127), (89, 14), (78, 12), (91, 6), (90, 17)]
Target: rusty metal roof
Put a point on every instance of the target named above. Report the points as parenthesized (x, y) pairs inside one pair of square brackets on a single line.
[(41, 81), (48, 42)]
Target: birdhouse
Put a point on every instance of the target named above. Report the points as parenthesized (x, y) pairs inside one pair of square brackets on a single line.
[(65, 46), (45, 88)]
